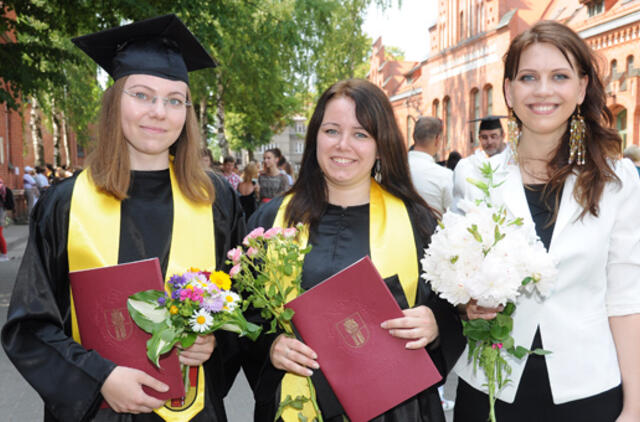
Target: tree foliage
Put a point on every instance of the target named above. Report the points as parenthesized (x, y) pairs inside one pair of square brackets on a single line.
[(275, 56)]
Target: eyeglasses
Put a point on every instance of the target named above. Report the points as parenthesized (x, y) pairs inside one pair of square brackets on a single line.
[(148, 100)]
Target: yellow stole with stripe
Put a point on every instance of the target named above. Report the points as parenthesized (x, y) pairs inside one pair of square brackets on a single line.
[(93, 242), (393, 251)]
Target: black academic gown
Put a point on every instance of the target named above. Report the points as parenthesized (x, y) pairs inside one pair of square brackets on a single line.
[(340, 239), (37, 335)]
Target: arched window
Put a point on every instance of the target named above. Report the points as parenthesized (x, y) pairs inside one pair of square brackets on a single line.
[(446, 105), (629, 65), (410, 125), (461, 26), (474, 112), (435, 108), (488, 100), (614, 68), (621, 126)]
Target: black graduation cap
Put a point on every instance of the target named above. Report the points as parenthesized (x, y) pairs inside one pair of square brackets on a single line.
[(162, 46), (489, 122)]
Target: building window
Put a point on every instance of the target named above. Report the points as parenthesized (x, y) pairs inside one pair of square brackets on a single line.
[(621, 126), (488, 94), (299, 147), (614, 68), (461, 26), (410, 126), (300, 127), (595, 7), (475, 112), (629, 65), (436, 108), (1, 152), (446, 105)]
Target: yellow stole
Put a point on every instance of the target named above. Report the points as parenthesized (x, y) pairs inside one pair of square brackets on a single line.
[(93, 242), (393, 251)]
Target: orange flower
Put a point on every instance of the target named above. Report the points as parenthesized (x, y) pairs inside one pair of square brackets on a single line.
[(221, 279), (173, 310)]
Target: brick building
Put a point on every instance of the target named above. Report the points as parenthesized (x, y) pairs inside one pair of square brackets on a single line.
[(462, 78), (27, 139)]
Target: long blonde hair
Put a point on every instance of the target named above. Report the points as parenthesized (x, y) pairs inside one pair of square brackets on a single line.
[(109, 160)]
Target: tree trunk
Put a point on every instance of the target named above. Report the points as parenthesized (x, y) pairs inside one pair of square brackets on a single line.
[(65, 139), (222, 139), (56, 133), (203, 121), (34, 125)]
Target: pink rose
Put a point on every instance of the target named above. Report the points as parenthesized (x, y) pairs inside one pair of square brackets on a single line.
[(251, 252), (272, 232), (255, 234), (235, 254), (290, 232), (234, 270)]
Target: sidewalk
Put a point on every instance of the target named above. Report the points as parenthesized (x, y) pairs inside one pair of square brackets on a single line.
[(15, 234)]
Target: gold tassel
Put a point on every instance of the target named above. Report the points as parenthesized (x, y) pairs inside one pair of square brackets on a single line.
[(577, 150)]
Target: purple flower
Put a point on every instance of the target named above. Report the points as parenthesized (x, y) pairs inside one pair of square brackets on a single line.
[(175, 294), (213, 304), (162, 300), (177, 280)]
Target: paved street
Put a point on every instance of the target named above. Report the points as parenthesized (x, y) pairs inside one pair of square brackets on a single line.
[(20, 403)]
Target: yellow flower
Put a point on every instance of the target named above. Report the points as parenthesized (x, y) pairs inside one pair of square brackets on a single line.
[(221, 279), (173, 310), (193, 270)]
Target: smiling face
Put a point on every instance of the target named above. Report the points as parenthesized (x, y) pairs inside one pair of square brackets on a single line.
[(346, 152), (545, 91), (150, 129)]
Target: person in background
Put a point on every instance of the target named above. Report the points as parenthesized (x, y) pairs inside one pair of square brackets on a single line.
[(452, 160), (563, 177), (272, 181), (352, 138), (6, 204), (206, 159), (632, 152), (228, 172), (42, 182), (432, 181), (145, 194), (249, 189), (30, 187)]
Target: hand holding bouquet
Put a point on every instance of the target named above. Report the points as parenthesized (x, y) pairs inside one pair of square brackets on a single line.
[(486, 256), (194, 303), (270, 272)]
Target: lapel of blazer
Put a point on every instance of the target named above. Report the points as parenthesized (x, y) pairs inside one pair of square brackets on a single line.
[(512, 190), (569, 209)]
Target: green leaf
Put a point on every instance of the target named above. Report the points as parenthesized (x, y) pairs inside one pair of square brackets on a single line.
[(509, 308), (287, 314), (188, 339), (145, 311), (541, 352), (454, 259), (499, 333), (520, 352)]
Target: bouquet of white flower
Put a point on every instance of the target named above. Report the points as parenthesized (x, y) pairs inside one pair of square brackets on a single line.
[(487, 256)]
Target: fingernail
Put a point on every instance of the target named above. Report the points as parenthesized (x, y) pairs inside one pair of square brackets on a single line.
[(314, 356), (164, 388), (309, 372), (316, 365), (383, 325)]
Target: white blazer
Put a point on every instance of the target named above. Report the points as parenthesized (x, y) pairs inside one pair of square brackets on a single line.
[(598, 262)]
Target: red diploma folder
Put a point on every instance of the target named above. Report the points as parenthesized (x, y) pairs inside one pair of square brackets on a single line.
[(100, 297), (369, 370)]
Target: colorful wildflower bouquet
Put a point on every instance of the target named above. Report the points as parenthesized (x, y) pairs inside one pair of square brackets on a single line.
[(269, 273), (486, 256), (194, 303)]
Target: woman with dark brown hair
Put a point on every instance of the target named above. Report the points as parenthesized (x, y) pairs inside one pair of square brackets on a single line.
[(143, 195), (564, 175), (352, 139)]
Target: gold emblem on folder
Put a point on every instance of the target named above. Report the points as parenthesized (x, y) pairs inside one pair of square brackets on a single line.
[(118, 323), (353, 331)]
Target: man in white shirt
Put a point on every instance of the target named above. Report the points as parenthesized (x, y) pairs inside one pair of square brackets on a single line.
[(30, 187), (432, 181), (491, 139)]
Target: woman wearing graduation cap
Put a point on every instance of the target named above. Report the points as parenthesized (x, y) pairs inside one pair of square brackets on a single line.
[(143, 195), (352, 137)]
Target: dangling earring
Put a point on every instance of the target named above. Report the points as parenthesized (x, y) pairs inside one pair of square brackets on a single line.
[(577, 150), (377, 171), (513, 132)]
